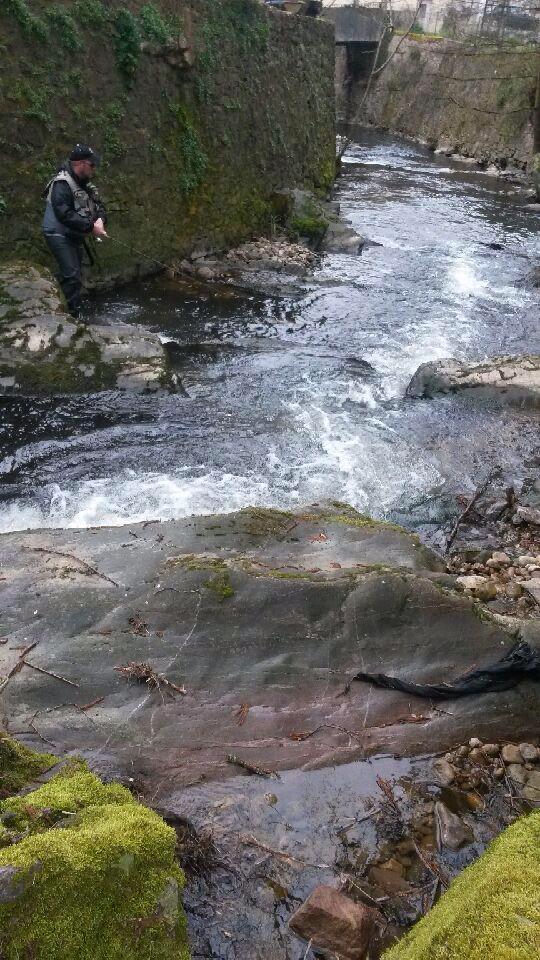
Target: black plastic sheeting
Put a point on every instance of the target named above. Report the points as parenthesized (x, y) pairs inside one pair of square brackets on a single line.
[(519, 663)]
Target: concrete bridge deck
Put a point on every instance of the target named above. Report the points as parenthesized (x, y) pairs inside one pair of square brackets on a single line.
[(356, 25)]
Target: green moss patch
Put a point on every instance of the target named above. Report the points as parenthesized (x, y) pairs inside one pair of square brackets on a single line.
[(69, 792), (19, 765), (102, 886), (491, 911), (221, 586)]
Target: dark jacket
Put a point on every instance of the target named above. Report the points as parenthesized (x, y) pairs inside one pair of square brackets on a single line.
[(61, 215)]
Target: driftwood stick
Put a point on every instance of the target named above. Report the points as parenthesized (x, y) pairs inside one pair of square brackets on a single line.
[(83, 563), (50, 673), (251, 841), (19, 664), (432, 866), (471, 504)]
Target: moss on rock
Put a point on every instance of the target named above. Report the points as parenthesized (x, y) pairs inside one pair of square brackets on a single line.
[(105, 886), (491, 911), (19, 765)]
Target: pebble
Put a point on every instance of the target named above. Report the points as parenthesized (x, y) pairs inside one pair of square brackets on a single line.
[(462, 751), (451, 831), (477, 755), (524, 560), (480, 587), (513, 590), (500, 557), (511, 753), (475, 742), (529, 751), (491, 749), (498, 773)]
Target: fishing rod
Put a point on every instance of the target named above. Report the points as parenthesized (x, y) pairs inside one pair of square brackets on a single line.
[(139, 253)]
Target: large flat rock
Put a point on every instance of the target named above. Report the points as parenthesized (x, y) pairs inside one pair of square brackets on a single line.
[(514, 379), (44, 351), (269, 610)]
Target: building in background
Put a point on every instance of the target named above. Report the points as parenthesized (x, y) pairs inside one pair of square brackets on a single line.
[(496, 19)]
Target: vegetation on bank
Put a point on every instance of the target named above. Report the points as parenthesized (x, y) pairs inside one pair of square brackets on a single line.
[(492, 909), (186, 106), (88, 872)]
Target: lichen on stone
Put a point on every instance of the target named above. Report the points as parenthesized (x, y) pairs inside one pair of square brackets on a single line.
[(491, 911)]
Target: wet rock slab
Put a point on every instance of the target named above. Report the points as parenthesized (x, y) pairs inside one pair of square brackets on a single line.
[(44, 351), (262, 616), (515, 379)]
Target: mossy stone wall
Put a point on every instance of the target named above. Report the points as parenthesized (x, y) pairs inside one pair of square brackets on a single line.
[(474, 101), (200, 108)]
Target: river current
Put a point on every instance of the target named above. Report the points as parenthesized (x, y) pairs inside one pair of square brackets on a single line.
[(279, 411)]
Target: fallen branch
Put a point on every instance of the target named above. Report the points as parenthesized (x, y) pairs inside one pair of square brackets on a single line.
[(251, 768), (83, 563), (50, 673), (32, 725), (301, 736), (87, 706), (432, 866), (471, 504), (251, 841), (19, 664)]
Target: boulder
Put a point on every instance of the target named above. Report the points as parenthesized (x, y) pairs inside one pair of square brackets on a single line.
[(92, 876), (342, 238), (490, 910), (269, 608), (515, 379), (334, 922), (317, 221), (44, 351)]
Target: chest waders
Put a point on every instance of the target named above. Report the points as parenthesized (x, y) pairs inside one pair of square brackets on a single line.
[(64, 245)]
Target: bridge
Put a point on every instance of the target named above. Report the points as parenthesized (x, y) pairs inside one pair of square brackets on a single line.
[(356, 25)]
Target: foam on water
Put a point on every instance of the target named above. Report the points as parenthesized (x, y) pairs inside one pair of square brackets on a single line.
[(285, 418)]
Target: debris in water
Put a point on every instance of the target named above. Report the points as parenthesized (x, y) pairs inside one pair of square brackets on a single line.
[(145, 673), (138, 625)]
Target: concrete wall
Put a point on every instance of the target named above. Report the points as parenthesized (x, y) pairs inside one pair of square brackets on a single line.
[(477, 103), (225, 102)]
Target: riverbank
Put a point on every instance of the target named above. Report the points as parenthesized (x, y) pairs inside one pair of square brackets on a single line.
[(233, 722), (467, 101), (210, 107), (202, 597)]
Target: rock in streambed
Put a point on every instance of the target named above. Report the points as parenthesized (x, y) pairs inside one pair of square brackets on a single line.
[(44, 351), (514, 379), (263, 615)]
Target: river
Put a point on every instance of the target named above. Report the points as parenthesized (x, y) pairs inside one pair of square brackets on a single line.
[(278, 410)]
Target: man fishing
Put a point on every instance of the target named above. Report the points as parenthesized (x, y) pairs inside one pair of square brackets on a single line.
[(74, 211)]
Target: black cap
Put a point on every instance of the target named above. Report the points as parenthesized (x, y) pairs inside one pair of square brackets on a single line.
[(82, 152)]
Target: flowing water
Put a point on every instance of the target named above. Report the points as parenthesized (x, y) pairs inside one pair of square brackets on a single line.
[(279, 411)]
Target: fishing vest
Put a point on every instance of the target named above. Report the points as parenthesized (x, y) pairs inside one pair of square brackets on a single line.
[(84, 204)]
